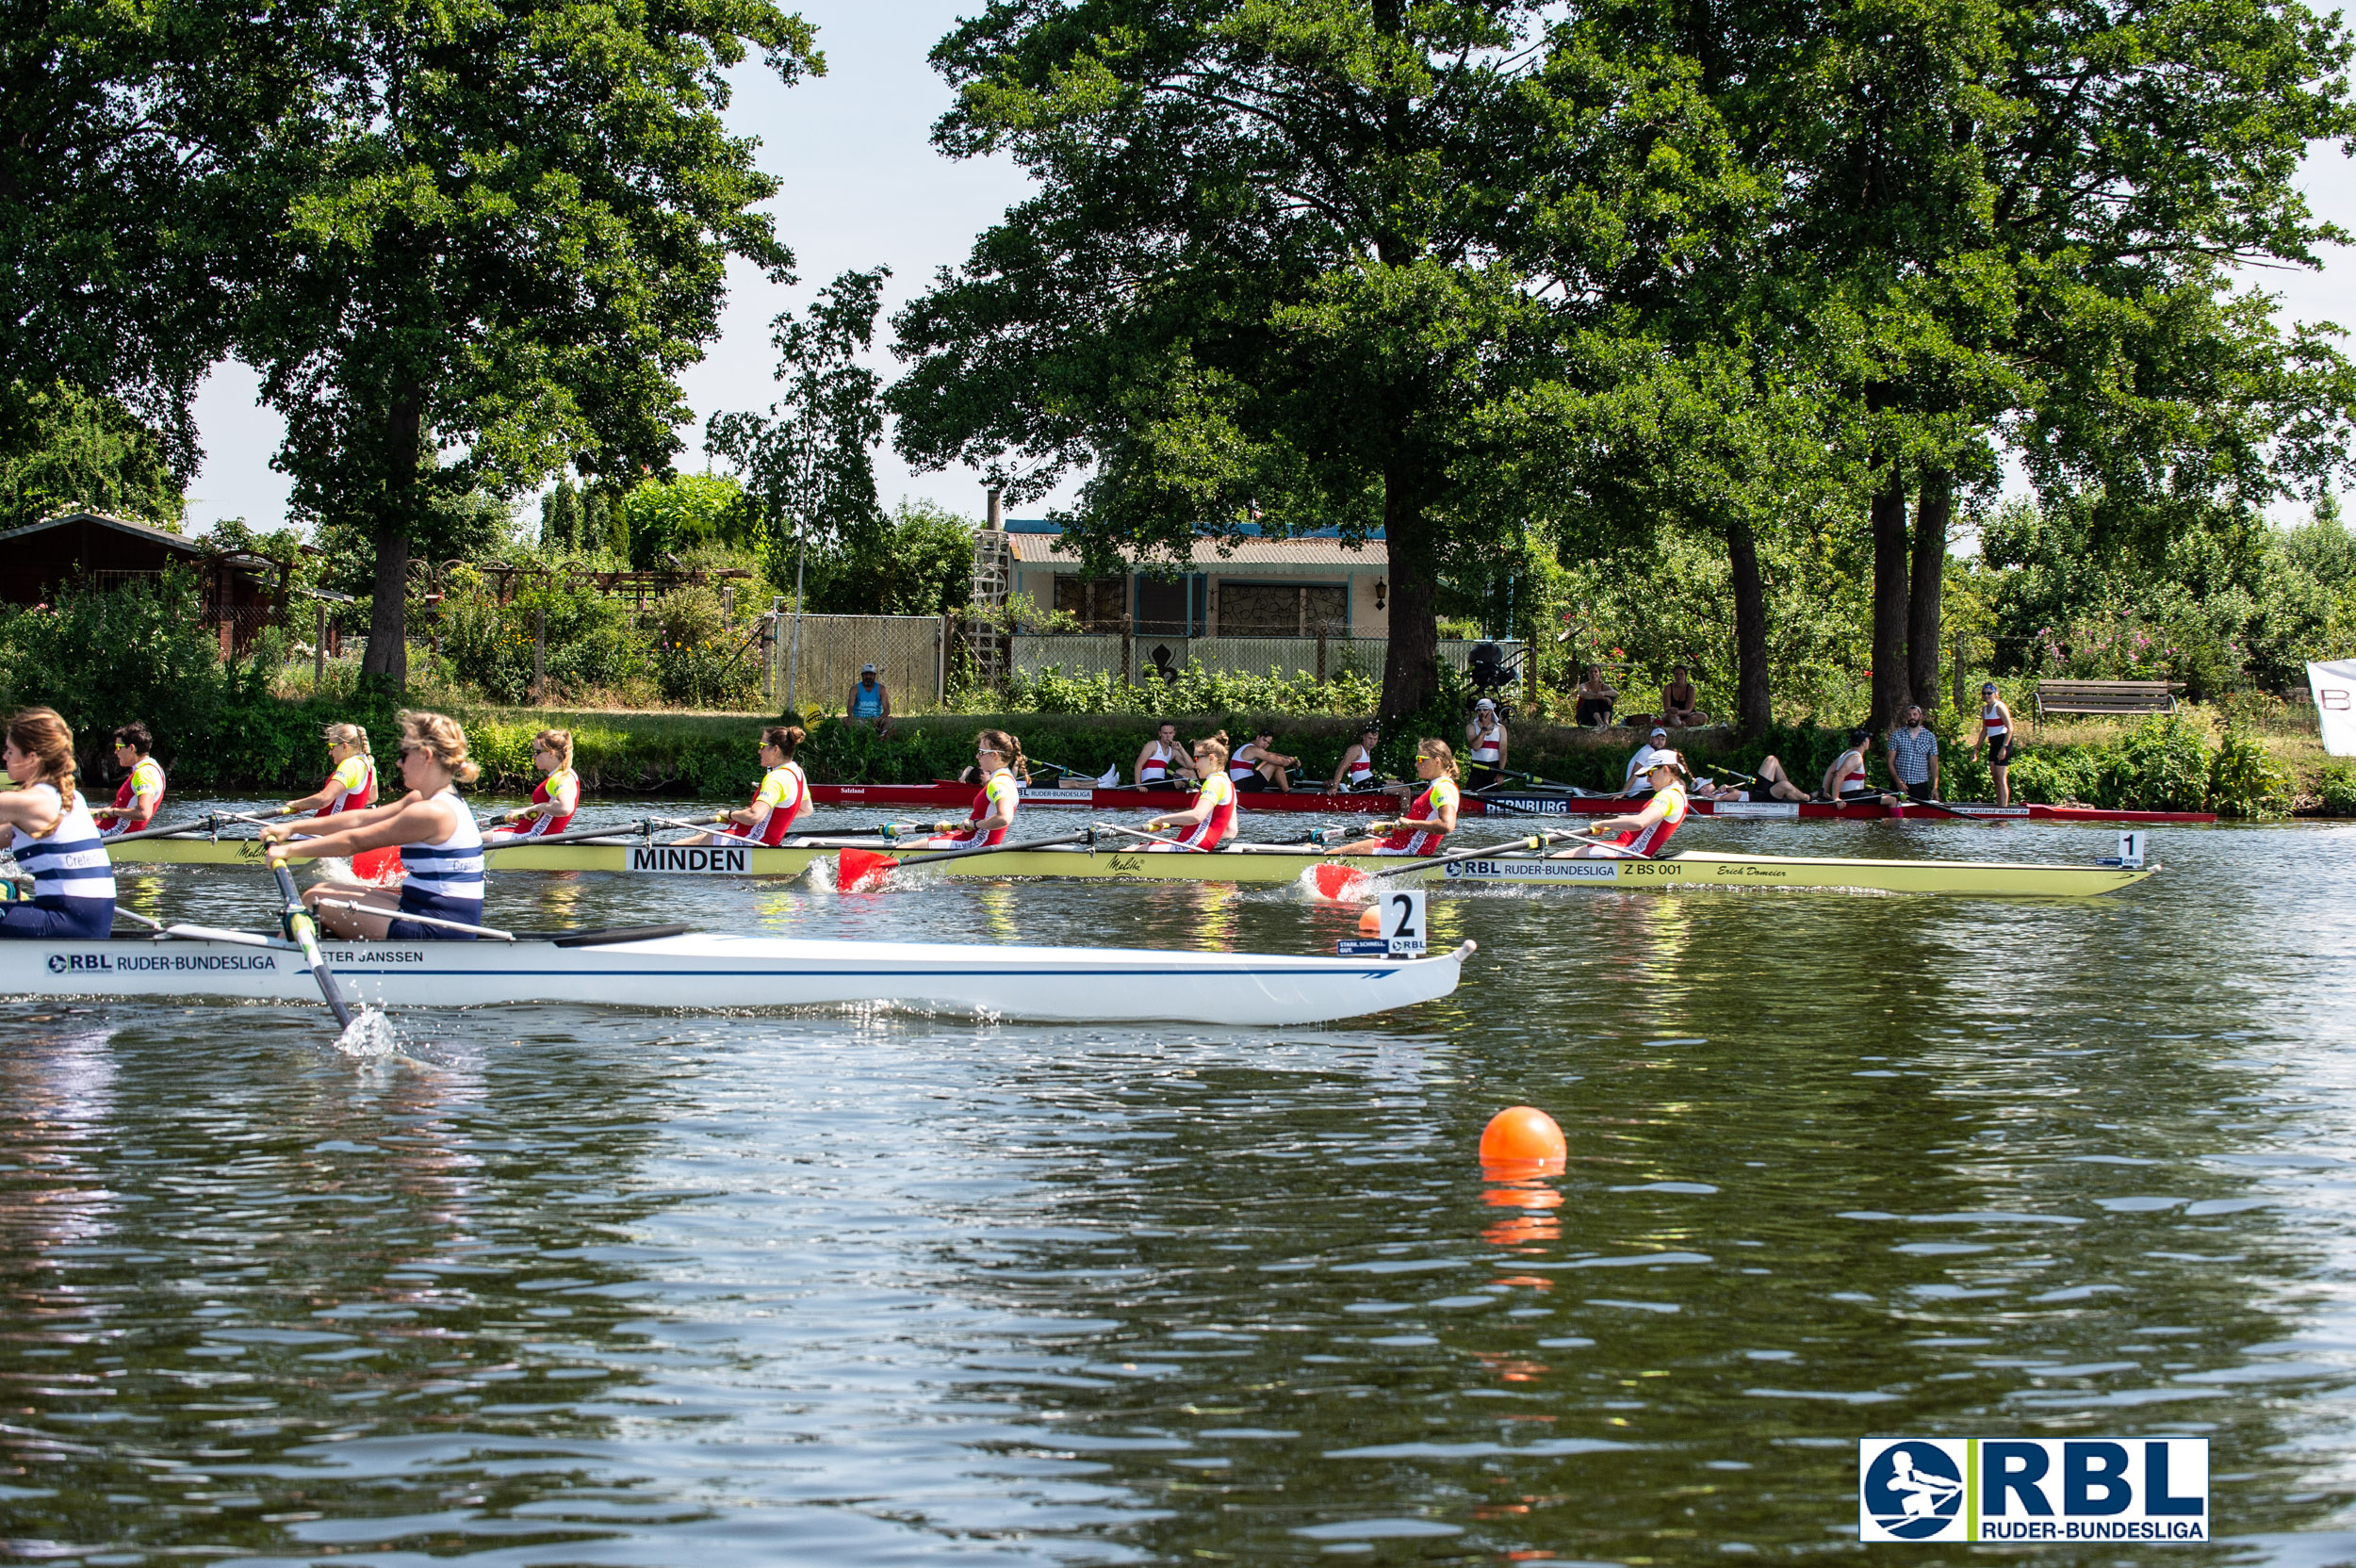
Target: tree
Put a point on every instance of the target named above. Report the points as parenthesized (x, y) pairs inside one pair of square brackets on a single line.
[(919, 562), (77, 449), (683, 513), (488, 238), (809, 465), (1262, 269), (561, 519)]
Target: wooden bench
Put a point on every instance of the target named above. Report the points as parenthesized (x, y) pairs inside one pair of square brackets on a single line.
[(2106, 697)]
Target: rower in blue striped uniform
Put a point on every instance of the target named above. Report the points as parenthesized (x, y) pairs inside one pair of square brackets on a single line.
[(56, 840), (440, 844)]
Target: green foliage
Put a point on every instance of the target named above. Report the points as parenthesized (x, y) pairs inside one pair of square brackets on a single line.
[(2244, 782), (474, 527), (2164, 765), (62, 449), (699, 660), (917, 561), (669, 519), (592, 648), (562, 517), (1195, 690), (2335, 791)]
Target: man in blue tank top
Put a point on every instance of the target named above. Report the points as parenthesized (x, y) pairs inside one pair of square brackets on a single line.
[(870, 700)]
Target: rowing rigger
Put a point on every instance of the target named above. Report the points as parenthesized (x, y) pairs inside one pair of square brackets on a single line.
[(1519, 863)]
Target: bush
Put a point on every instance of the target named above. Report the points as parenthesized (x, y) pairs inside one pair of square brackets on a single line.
[(591, 644), (1195, 690), (699, 660), (2335, 789), (2244, 782)]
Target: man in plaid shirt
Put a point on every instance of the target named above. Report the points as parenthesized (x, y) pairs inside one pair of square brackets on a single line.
[(1914, 756)]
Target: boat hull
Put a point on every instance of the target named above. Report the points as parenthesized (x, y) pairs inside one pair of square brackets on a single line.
[(707, 973), (1695, 868), (958, 797)]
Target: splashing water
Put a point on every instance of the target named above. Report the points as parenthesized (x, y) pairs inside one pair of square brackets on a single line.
[(370, 1037), (820, 875)]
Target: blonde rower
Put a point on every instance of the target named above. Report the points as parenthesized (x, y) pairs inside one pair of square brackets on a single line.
[(441, 847), (1430, 818), (1211, 821), (352, 787), (997, 759), (555, 799)]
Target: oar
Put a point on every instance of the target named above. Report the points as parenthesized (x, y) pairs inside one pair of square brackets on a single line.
[(491, 931), (198, 933), (1908, 803), (644, 828), (863, 870), (1151, 838), (1345, 884), (307, 936), (206, 824)]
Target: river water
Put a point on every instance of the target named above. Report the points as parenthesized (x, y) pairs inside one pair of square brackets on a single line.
[(582, 1288)]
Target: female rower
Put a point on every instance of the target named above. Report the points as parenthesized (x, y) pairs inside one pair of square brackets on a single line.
[(1431, 817), (997, 757), (1260, 766), (142, 788), (1162, 761), (1484, 733), (555, 799), (1641, 834), (441, 847), (783, 795), (1996, 730), (352, 787), (1355, 771), (1211, 821), (1846, 781), (56, 841)]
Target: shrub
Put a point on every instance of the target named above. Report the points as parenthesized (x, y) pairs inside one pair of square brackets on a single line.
[(2244, 782), (1195, 690), (2336, 791), (591, 643), (2162, 765), (699, 660)]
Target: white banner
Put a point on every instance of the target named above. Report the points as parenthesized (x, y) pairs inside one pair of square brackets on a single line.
[(2334, 686)]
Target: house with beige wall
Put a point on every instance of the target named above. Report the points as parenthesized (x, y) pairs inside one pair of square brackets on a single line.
[(1252, 587)]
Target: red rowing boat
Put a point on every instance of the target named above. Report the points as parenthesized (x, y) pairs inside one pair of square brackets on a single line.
[(945, 796)]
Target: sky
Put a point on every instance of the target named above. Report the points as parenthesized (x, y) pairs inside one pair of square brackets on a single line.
[(862, 184)]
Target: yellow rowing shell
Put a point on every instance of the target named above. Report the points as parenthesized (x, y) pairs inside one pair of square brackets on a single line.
[(1695, 869)]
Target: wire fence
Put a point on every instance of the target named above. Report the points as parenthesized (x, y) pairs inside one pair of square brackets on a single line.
[(814, 660)]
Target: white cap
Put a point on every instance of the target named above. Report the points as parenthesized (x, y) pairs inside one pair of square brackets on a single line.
[(1660, 732), (1488, 703)]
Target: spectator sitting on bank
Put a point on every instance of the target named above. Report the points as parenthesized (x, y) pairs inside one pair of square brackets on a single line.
[(1656, 745), (1257, 767), (1485, 744), (1680, 704), (870, 701), (1913, 753), (1596, 698)]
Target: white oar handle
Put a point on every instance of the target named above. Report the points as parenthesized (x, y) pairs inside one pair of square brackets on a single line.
[(490, 931)]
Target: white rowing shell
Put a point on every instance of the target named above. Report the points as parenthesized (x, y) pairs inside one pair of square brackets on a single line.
[(702, 973)]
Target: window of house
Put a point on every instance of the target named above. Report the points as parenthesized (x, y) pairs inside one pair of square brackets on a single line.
[(1099, 601), (1283, 610)]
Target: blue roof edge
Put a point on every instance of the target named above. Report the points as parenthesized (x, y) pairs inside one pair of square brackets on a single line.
[(1249, 531)]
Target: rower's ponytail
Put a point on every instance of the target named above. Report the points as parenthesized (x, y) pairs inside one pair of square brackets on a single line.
[(785, 737), (348, 735), (440, 737), (42, 735), (1006, 746), (1440, 752), (559, 742), (1216, 746)]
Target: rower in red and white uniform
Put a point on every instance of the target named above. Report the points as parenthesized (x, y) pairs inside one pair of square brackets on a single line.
[(1641, 834), (783, 795), (1211, 821), (1356, 771), (1162, 764), (351, 788), (1430, 818), (142, 788), (997, 757), (555, 799), (1846, 780)]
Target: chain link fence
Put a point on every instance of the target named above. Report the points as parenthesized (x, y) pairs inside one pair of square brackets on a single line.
[(814, 660)]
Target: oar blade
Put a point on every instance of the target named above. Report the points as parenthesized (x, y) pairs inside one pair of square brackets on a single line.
[(859, 871), (1339, 884)]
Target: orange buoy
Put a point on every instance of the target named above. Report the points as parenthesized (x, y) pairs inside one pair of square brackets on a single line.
[(1523, 1135), (1370, 923)]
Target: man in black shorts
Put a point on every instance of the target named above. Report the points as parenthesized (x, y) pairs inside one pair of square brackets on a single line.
[(1771, 783)]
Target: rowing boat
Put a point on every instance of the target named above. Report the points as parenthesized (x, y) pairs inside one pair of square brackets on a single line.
[(700, 973), (1259, 864), (1537, 803)]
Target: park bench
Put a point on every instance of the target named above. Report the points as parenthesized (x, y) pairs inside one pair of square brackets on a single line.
[(2106, 697)]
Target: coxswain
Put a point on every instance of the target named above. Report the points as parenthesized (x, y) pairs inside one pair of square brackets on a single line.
[(440, 845), (1996, 730), (1355, 771), (1162, 762), (555, 799), (1484, 734), (1258, 765), (783, 795), (351, 787), (1641, 834), (997, 759), (54, 841), (1210, 822), (142, 788), (1431, 817)]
